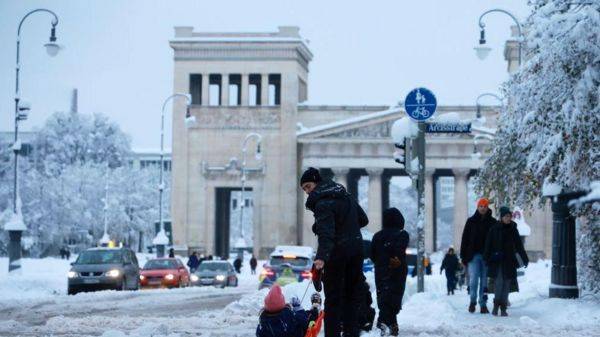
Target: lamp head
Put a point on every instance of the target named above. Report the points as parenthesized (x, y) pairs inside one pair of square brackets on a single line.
[(258, 154), (51, 47), (482, 49)]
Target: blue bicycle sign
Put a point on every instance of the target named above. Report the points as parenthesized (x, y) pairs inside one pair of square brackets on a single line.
[(420, 104)]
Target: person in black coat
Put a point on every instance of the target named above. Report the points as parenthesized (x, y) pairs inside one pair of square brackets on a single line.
[(253, 264), (388, 251), (237, 265), (193, 262), (338, 219), (171, 253), (471, 253), (450, 265), (504, 253)]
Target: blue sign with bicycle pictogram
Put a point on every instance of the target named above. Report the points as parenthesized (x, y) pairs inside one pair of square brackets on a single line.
[(420, 104)]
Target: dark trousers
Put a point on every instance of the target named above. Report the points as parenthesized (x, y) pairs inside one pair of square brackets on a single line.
[(450, 281), (390, 290), (341, 282)]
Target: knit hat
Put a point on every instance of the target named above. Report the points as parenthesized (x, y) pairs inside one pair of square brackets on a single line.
[(310, 175), (274, 301), (483, 202), (504, 210), (393, 218)]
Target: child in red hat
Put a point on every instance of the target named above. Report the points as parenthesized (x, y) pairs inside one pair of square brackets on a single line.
[(278, 319)]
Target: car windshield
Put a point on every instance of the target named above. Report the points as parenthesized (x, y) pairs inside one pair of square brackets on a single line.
[(294, 262), (211, 266), (99, 257), (161, 264)]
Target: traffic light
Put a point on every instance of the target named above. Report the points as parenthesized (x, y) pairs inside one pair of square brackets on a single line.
[(402, 151)]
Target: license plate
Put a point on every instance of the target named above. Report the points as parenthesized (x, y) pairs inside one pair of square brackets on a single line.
[(207, 281), (154, 282), (91, 281)]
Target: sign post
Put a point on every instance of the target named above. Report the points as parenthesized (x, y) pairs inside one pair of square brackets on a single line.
[(420, 105)]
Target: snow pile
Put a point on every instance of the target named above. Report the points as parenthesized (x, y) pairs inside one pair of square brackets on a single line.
[(15, 223), (404, 128), (551, 189)]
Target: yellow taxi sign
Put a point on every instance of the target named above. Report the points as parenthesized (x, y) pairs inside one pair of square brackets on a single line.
[(289, 256)]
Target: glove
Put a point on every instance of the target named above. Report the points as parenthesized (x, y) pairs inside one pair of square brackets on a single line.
[(395, 263), (317, 275)]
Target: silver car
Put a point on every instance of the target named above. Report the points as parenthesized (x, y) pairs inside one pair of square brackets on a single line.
[(215, 273), (104, 268)]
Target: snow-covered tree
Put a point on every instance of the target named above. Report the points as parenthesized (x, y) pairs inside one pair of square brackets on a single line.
[(549, 129)]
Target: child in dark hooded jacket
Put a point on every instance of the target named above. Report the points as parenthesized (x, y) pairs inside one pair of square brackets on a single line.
[(388, 251), (279, 319)]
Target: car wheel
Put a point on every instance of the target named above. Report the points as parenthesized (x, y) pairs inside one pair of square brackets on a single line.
[(71, 291), (137, 284), (236, 282), (123, 284)]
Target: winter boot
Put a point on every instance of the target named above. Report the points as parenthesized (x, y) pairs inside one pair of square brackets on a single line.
[(484, 309), (472, 307), (394, 330), (496, 307), (384, 330), (503, 312)]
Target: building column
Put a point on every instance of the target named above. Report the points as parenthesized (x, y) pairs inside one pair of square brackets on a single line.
[(225, 90), (429, 210), (375, 207), (460, 203), (264, 89), (205, 89), (341, 175), (245, 87)]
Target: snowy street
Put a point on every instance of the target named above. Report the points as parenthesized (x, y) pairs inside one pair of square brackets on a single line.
[(31, 307)]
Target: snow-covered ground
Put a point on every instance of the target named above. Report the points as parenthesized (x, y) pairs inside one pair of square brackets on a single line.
[(34, 304)]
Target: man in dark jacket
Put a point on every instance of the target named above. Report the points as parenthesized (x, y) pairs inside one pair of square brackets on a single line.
[(388, 252), (503, 250), (193, 262), (253, 264), (338, 219), (471, 252), (237, 265), (450, 265)]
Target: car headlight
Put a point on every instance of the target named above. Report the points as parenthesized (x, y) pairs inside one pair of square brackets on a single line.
[(72, 274), (220, 277), (169, 277), (142, 277), (194, 278), (113, 273)]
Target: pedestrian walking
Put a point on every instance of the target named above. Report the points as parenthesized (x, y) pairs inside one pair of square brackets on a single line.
[(504, 252), (193, 262), (253, 264), (450, 265), (338, 219), (471, 253), (388, 251), (237, 265)]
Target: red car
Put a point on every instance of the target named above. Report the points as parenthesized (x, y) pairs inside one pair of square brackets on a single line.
[(164, 273)]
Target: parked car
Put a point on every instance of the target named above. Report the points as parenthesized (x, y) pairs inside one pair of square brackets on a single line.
[(164, 272), (287, 262), (215, 273), (104, 268)]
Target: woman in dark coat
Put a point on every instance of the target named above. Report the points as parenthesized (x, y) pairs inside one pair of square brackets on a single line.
[(450, 265), (504, 253)]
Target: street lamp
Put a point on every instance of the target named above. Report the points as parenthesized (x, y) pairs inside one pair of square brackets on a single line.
[(161, 239), (15, 226), (258, 155), (487, 94), (105, 238), (482, 49)]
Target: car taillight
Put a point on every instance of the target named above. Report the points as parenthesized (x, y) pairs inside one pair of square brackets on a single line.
[(307, 274), (267, 272)]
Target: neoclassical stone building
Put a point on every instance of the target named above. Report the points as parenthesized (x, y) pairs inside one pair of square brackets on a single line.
[(257, 82)]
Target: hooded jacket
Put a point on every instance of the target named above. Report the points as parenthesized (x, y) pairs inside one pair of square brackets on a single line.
[(475, 234), (338, 220), (391, 241)]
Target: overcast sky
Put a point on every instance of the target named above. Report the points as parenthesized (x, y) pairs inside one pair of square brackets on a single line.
[(365, 52)]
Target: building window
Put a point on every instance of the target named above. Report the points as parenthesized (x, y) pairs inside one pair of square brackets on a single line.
[(214, 88), (254, 89), (196, 88), (235, 92), (274, 89)]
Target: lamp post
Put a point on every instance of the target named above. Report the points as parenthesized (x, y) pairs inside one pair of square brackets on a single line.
[(15, 226), (161, 239), (482, 49), (258, 155), (486, 94), (104, 241)]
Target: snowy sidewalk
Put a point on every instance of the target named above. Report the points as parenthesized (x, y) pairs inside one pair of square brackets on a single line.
[(233, 312)]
